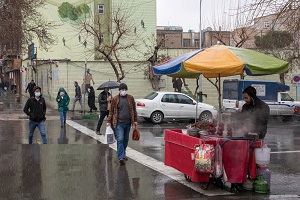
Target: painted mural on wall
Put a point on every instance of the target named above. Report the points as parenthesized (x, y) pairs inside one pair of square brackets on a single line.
[(71, 12)]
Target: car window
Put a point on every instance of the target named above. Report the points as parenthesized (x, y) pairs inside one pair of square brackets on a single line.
[(151, 96), (286, 97), (184, 99), (169, 98)]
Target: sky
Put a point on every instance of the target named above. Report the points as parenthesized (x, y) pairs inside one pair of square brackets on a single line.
[(186, 13)]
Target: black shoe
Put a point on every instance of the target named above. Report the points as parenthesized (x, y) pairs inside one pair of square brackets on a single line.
[(122, 161), (98, 133), (126, 159)]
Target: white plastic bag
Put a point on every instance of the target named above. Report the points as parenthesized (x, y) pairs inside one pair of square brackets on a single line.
[(218, 165), (109, 135)]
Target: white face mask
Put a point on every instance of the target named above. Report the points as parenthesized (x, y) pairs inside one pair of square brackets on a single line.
[(62, 93), (37, 94), (123, 92)]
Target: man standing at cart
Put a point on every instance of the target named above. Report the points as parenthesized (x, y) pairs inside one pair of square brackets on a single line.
[(256, 111)]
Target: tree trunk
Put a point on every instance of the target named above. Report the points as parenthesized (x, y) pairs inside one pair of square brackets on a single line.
[(281, 77), (113, 66), (196, 90)]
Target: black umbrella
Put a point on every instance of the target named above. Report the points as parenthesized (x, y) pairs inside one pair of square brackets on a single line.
[(109, 84)]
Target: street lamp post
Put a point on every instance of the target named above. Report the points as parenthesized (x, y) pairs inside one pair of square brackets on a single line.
[(200, 76), (200, 46)]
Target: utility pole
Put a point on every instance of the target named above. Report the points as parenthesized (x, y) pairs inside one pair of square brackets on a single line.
[(200, 46), (200, 76), (84, 87)]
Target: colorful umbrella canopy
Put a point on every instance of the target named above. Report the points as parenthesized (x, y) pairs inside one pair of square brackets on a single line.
[(174, 67), (221, 61)]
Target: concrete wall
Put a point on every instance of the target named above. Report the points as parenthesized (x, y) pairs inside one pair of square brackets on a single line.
[(139, 86)]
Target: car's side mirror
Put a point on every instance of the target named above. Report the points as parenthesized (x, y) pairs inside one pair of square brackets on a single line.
[(194, 102)]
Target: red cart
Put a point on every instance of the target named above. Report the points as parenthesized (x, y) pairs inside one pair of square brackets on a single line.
[(237, 155)]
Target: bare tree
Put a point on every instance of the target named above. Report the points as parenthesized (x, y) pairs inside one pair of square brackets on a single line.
[(114, 33), (282, 16), (21, 22)]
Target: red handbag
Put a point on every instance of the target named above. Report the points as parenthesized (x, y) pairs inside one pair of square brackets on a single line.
[(136, 134)]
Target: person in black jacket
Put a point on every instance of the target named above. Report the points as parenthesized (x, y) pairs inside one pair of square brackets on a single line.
[(255, 112), (91, 99), (35, 108), (77, 96), (104, 100), (30, 87)]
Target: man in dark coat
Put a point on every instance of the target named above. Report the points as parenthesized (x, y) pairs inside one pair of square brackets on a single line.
[(104, 100), (77, 97), (30, 87), (256, 112), (35, 108)]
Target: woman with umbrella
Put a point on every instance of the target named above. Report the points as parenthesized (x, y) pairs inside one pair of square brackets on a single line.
[(91, 99), (104, 100)]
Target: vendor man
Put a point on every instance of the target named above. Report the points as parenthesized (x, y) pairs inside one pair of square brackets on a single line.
[(256, 112)]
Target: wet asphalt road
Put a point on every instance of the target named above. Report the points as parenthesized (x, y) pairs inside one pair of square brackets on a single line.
[(91, 171), (76, 171)]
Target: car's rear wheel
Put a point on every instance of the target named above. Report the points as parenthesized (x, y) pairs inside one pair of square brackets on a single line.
[(205, 116), (157, 117)]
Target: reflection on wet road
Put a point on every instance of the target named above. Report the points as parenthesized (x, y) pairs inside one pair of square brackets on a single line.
[(80, 172)]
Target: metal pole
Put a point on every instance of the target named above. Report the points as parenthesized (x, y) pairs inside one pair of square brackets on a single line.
[(296, 93), (200, 46), (84, 87), (200, 76)]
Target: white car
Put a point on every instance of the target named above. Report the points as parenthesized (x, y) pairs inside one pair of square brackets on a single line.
[(172, 105)]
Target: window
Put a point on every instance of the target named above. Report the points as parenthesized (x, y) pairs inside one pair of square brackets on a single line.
[(101, 9), (266, 24), (184, 99), (169, 98), (151, 96), (186, 42), (286, 97)]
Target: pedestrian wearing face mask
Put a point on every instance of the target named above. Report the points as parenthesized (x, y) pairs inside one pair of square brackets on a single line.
[(63, 101), (35, 108), (121, 116)]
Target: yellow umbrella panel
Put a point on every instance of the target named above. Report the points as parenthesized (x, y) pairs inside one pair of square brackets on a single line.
[(217, 61)]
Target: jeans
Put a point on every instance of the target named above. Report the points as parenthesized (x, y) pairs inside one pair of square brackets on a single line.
[(122, 137), (41, 127), (63, 118), (100, 121), (80, 101)]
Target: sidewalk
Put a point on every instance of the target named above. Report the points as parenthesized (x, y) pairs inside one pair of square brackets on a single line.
[(13, 105)]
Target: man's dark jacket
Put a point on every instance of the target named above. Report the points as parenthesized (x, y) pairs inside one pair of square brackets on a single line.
[(30, 87), (35, 109), (77, 91), (102, 99), (258, 113)]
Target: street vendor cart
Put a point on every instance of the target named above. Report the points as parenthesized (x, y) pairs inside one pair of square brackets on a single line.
[(237, 157)]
